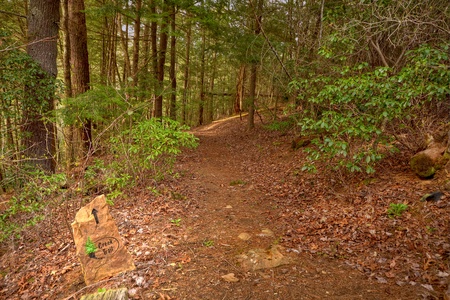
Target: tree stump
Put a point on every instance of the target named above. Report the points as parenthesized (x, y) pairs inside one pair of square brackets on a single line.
[(427, 162)]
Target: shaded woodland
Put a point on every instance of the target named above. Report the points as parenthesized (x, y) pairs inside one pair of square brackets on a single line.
[(355, 80), (97, 97)]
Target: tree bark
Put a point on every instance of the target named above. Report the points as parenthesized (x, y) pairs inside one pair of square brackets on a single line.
[(211, 88), (136, 42), (254, 67), (161, 62), (80, 62), (173, 75), (201, 105), (186, 72), (39, 140), (154, 46), (240, 90)]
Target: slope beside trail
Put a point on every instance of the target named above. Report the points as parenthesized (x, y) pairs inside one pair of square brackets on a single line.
[(240, 222)]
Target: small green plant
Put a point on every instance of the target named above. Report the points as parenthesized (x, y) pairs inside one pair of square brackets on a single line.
[(176, 222), (280, 125), (101, 290), (396, 209), (90, 247), (237, 182), (208, 243), (430, 229)]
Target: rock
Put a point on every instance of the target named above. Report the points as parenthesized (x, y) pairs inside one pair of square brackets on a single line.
[(244, 236), (267, 232), (230, 278), (428, 161), (263, 259), (99, 246), (119, 294)]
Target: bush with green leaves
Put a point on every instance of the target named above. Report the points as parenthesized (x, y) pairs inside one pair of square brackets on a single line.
[(101, 104), (350, 113), (26, 208), (149, 148)]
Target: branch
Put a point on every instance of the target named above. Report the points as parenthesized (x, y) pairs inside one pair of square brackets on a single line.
[(12, 13), (47, 39), (380, 53)]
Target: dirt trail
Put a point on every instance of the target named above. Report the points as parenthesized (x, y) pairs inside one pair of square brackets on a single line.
[(229, 204), (194, 230)]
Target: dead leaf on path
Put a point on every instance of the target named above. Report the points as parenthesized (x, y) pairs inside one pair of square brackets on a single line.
[(230, 278), (244, 236)]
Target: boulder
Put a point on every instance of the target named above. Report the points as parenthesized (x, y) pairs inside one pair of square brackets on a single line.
[(99, 246), (428, 161)]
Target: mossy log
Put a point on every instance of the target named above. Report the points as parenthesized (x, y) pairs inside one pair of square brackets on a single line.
[(427, 162)]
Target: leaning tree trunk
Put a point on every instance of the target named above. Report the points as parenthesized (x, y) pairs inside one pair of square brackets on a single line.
[(39, 139)]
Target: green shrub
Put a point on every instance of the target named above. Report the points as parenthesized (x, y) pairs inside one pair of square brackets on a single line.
[(25, 209), (350, 114), (148, 149)]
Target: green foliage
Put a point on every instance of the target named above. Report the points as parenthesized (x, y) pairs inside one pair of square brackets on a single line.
[(350, 113), (176, 222), (208, 243), (141, 154), (149, 148), (24, 209), (396, 209), (100, 104), (89, 246), (237, 182), (283, 126)]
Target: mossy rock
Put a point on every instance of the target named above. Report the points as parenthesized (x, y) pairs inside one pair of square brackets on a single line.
[(423, 165)]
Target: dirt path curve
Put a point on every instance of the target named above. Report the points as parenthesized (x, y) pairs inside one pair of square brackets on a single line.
[(231, 207)]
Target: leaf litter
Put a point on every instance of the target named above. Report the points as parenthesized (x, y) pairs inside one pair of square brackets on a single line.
[(334, 230)]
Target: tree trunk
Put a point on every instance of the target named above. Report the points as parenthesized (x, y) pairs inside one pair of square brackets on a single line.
[(254, 67), (201, 105), (161, 62), (39, 140), (173, 75), (240, 90), (186, 72), (154, 44), (124, 39), (211, 88), (136, 42), (80, 62)]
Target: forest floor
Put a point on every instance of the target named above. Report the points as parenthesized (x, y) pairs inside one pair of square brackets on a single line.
[(241, 191)]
